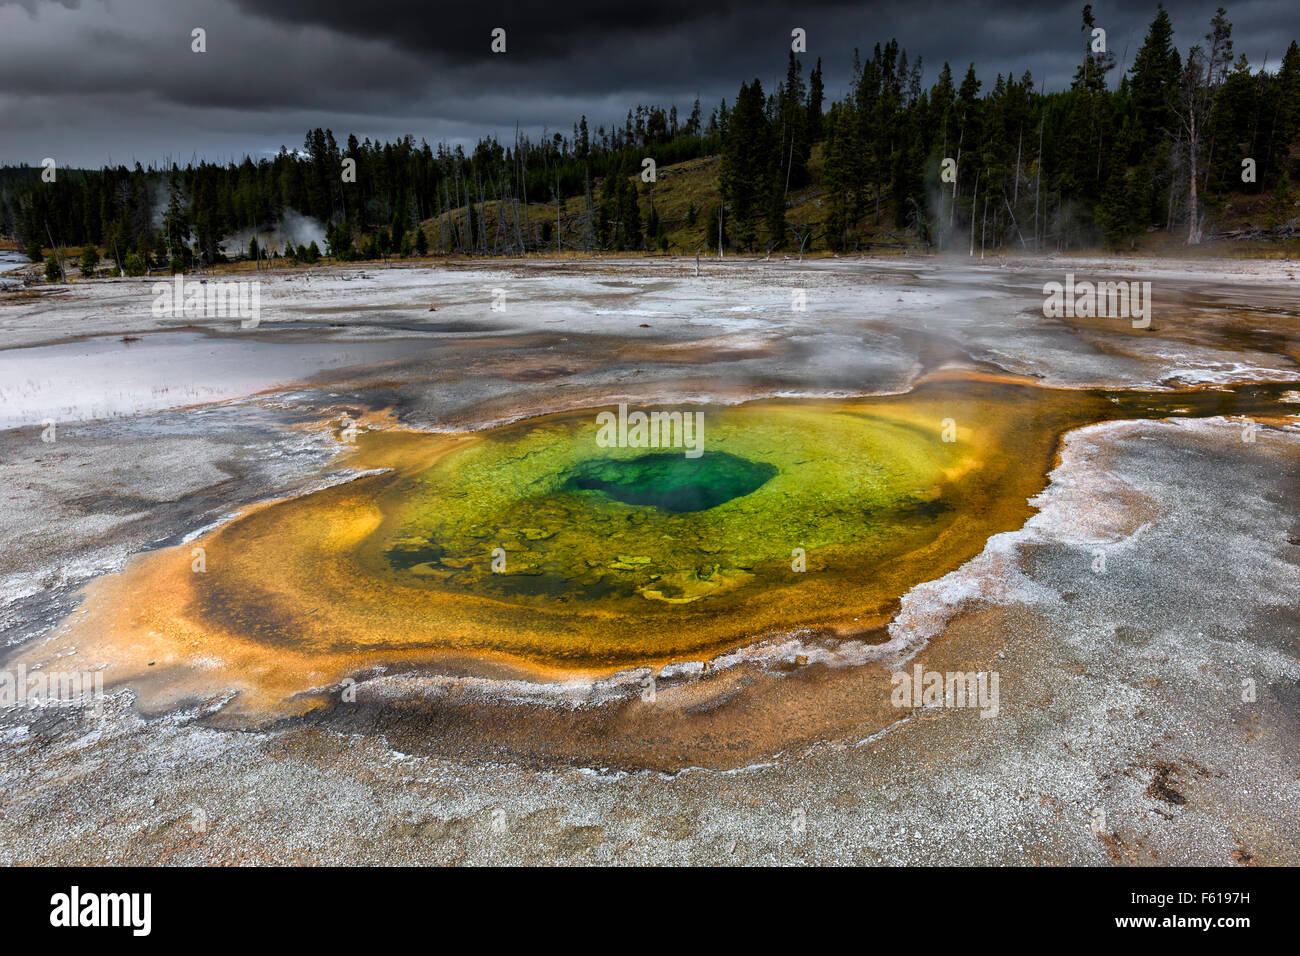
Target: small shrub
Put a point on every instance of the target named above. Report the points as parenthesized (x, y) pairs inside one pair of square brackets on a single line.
[(133, 265)]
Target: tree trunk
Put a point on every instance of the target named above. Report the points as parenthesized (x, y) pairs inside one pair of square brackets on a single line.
[(1193, 210)]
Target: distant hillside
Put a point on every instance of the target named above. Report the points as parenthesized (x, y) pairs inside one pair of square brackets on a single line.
[(685, 201)]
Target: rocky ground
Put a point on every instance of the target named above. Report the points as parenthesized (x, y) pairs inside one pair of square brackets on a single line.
[(1148, 711)]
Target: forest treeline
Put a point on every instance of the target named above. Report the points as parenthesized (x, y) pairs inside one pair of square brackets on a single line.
[(953, 165)]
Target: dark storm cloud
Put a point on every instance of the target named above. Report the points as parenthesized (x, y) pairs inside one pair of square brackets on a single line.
[(30, 5), (537, 31), (92, 80)]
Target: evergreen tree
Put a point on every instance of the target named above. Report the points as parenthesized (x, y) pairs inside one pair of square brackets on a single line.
[(1091, 74), (816, 95), (793, 143), (1154, 74), (746, 157), (839, 178), (89, 260)]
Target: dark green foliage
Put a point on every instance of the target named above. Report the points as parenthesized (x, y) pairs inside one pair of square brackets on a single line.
[(134, 265), (89, 260), (618, 217), (747, 164)]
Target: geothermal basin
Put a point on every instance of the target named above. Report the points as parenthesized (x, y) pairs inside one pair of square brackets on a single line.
[(357, 553)]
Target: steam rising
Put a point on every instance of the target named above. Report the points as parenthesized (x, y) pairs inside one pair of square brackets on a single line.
[(293, 227)]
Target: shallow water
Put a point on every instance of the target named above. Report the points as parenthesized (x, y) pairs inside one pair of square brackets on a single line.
[(110, 377), (10, 260), (485, 547), (671, 482)]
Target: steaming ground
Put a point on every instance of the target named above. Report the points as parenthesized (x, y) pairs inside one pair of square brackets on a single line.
[(1121, 691)]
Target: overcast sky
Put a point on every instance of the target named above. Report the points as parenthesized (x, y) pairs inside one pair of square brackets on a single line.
[(93, 81)]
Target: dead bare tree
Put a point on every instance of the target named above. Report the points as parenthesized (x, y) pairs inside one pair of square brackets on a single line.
[(1203, 73)]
